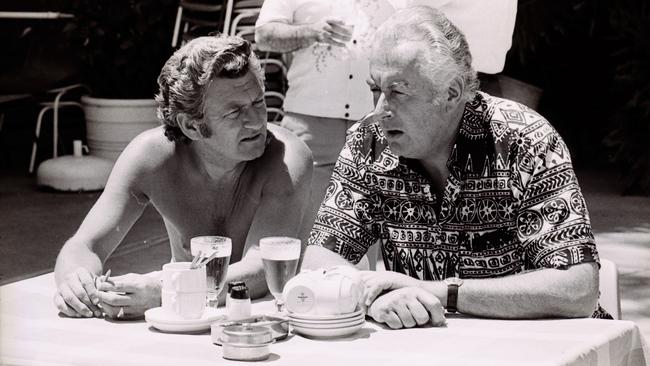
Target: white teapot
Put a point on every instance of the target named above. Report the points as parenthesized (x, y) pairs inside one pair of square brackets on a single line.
[(332, 291)]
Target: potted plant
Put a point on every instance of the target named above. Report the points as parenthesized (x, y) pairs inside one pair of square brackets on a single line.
[(121, 47)]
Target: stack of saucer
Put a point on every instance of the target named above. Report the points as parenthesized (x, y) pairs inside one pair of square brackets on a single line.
[(327, 326)]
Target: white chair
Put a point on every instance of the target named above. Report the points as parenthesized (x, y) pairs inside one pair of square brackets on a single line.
[(195, 18), (609, 288), (55, 105)]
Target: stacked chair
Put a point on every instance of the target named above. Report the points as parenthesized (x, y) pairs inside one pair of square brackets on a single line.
[(234, 17)]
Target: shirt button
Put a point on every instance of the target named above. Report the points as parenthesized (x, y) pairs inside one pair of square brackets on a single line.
[(347, 106), (354, 41), (350, 76), (347, 115)]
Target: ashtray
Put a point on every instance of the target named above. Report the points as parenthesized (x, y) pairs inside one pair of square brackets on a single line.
[(279, 327)]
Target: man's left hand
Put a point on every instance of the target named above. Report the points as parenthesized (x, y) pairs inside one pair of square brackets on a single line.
[(408, 307), (129, 296), (378, 282)]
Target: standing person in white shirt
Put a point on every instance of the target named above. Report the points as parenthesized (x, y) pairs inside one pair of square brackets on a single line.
[(327, 78)]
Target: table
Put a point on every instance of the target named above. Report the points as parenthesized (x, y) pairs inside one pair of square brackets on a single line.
[(32, 333)]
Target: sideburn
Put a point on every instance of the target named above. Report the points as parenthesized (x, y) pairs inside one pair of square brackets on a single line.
[(204, 130)]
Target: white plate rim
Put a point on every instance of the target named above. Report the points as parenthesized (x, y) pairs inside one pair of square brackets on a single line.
[(323, 322), (329, 333), (330, 326), (210, 315), (326, 317)]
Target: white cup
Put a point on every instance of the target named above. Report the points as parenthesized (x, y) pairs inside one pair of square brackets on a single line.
[(184, 290), (322, 292)]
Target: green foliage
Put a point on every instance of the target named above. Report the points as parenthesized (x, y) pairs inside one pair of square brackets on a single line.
[(121, 44)]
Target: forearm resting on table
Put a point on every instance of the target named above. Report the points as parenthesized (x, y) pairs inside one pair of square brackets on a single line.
[(251, 271), (282, 37), (74, 255), (319, 257), (569, 293)]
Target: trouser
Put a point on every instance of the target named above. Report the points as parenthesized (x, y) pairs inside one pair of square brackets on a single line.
[(325, 138)]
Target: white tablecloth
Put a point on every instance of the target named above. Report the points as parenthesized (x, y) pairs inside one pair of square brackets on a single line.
[(32, 333)]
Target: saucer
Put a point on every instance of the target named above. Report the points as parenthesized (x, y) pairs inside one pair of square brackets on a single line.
[(301, 316), (162, 320), (343, 324), (328, 332), (332, 322)]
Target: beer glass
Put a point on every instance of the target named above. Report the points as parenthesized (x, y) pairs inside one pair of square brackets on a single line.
[(217, 269), (280, 257)]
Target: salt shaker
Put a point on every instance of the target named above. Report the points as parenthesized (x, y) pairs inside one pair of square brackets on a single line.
[(239, 306), (230, 286)]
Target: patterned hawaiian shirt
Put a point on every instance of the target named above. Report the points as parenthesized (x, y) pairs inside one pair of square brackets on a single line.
[(511, 201)]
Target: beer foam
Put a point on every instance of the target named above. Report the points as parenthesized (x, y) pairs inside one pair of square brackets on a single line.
[(280, 248), (223, 245)]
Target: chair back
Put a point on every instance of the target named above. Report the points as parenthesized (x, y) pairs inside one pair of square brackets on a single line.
[(196, 18), (609, 288)]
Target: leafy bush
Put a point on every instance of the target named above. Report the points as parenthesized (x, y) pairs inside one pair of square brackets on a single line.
[(121, 44), (629, 139)]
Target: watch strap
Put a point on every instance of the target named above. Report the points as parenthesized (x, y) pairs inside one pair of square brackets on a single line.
[(452, 297)]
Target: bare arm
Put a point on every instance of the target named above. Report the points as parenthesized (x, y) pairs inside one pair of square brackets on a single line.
[(542, 293), (285, 199), (110, 219), (283, 37), (320, 257), (570, 293)]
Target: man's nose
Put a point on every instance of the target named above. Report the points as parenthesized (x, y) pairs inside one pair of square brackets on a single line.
[(254, 117), (382, 110)]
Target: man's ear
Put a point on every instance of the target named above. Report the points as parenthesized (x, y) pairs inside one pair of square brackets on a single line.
[(189, 126), (455, 91)]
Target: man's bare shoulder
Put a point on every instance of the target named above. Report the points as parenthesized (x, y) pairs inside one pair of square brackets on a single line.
[(286, 154), (286, 146), (145, 156), (149, 150)]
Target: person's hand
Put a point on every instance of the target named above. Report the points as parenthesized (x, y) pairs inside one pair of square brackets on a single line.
[(332, 31), (377, 282), (77, 295), (408, 307), (128, 296)]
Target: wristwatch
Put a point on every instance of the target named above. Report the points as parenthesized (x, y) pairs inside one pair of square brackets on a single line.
[(453, 283)]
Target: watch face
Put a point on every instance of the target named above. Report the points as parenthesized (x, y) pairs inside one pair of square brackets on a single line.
[(453, 281)]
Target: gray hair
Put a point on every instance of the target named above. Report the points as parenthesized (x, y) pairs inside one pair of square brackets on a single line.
[(185, 78), (422, 23)]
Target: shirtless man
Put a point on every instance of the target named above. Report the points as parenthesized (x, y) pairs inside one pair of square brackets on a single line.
[(213, 168)]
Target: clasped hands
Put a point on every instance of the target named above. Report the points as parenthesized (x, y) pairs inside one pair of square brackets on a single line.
[(395, 299), (84, 294)]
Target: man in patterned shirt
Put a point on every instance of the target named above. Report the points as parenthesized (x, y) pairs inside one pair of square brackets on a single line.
[(472, 198)]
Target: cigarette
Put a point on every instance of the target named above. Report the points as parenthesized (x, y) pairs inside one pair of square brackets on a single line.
[(107, 275)]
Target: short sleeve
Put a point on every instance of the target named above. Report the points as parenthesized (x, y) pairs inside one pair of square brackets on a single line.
[(344, 223), (553, 222), (275, 11)]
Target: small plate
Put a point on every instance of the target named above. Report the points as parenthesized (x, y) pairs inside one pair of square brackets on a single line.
[(328, 322), (325, 317), (161, 320), (327, 325), (328, 333)]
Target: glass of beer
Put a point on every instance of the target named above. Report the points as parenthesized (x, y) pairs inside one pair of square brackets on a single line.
[(280, 257), (217, 269)]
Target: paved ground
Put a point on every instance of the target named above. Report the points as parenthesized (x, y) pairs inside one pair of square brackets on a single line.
[(34, 224)]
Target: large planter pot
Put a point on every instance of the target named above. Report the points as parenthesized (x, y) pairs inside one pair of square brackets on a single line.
[(112, 123)]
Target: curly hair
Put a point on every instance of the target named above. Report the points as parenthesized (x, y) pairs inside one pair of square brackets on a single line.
[(184, 79), (419, 23)]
